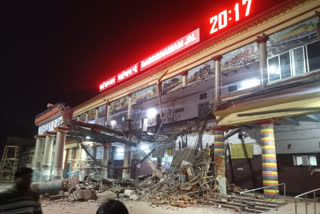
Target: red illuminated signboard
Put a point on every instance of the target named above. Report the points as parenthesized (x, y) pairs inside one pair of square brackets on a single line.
[(177, 46), (230, 16), (128, 73), (107, 84)]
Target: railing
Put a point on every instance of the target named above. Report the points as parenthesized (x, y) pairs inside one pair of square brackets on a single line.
[(260, 188), (305, 200)]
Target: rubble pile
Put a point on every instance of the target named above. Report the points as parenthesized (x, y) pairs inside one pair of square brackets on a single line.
[(190, 181)]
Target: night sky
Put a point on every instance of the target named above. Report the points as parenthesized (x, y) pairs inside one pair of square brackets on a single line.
[(52, 51)]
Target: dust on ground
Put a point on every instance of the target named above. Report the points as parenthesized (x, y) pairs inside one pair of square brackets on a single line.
[(142, 207)]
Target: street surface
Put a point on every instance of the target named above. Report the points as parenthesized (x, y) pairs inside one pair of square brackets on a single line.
[(140, 207)]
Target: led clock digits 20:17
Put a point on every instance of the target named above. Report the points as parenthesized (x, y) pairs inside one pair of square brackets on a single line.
[(224, 18)]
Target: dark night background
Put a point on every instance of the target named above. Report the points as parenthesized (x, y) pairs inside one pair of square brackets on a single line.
[(59, 52)]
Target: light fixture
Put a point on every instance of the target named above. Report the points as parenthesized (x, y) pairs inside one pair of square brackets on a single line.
[(249, 83), (273, 70), (113, 123), (88, 137), (120, 150), (152, 113)]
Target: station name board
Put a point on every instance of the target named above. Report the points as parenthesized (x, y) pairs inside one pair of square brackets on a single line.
[(219, 21), (176, 47)]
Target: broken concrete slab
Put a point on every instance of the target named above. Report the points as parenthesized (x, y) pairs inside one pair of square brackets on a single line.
[(134, 197), (129, 192), (105, 196)]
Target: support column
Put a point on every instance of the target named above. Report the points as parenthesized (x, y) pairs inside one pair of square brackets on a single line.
[(129, 117), (47, 156), (86, 117), (126, 163), (73, 157), (58, 155), (184, 78), (269, 159), (78, 118), (217, 78), (107, 115), (127, 153), (219, 159), (159, 162), (262, 44), (105, 160), (65, 166), (96, 116), (36, 160)]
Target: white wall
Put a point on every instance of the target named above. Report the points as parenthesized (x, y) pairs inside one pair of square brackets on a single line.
[(304, 138), (290, 139)]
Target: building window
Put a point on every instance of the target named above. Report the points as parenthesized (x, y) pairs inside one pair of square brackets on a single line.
[(294, 51), (201, 72), (313, 51), (171, 84), (240, 69), (203, 96), (179, 110), (305, 160)]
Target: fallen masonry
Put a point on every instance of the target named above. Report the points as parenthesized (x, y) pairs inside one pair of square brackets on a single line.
[(190, 182)]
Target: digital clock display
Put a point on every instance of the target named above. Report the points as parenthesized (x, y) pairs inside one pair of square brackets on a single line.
[(230, 16)]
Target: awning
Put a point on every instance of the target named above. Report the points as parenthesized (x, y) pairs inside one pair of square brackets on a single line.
[(291, 102)]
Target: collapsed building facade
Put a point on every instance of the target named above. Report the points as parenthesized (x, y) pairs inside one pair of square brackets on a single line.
[(251, 94)]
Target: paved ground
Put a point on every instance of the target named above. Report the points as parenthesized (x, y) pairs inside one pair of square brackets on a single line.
[(140, 207), (4, 186)]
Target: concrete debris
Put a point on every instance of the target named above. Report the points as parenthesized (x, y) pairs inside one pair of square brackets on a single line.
[(84, 194), (193, 182), (105, 196), (134, 197), (128, 192), (56, 197)]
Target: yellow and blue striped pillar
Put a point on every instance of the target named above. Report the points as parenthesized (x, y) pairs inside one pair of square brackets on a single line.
[(219, 159), (269, 160)]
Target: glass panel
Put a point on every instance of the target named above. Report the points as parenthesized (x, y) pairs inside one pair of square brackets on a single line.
[(314, 56), (273, 68), (285, 65), (298, 61), (171, 84), (201, 72), (144, 94), (313, 161), (239, 67), (119, 112), (91, 116), (299, 160), (292, 37)]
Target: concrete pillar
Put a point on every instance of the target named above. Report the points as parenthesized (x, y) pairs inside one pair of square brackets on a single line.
[(66, 161), (36, 160), (96, 116), (73, 157), (184, 78), (127, 152), (58, 155), (269, 159), (217, 78), (105, 160), (107, 117), (126, 163), (219, 159), (129, 117), (262, 44), (47, 156), (86, 117), (159, 162)]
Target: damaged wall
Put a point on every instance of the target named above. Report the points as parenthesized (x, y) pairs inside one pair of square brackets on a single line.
[(291, 140)]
